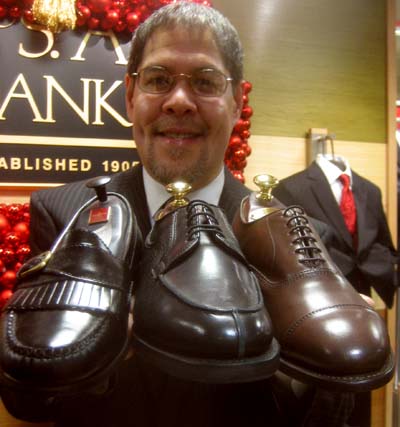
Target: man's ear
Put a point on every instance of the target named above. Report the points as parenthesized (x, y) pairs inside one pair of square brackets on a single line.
[(238, 97), (129, 88)]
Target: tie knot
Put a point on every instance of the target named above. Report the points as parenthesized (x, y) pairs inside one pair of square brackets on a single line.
[(345, 179)]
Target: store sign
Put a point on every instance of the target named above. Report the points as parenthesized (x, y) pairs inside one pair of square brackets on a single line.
[(62, 107)]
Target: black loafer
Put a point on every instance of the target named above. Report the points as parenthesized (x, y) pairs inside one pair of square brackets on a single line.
[(66, 325), (199, 313)]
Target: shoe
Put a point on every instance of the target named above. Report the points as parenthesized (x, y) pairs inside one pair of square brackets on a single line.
[(329, 336), (199, 312), (66, 325)]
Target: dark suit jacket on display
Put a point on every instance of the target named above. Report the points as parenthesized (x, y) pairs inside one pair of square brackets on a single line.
[(371, 264), (145, 397)]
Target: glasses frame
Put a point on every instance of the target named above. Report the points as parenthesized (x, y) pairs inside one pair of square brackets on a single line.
[(175, 77)]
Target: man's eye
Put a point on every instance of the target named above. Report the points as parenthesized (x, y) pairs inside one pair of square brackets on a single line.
[(205, 85), (157, 81)]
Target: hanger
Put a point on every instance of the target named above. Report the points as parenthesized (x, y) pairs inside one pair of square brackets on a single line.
[(338, 161)]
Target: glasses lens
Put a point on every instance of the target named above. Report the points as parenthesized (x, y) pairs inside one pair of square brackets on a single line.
[(208, 82), (155, 80)]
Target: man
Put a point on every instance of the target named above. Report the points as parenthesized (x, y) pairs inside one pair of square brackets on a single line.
[(180, 135)]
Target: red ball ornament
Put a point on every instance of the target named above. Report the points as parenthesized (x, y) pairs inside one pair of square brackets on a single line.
[(120, 26), (3, 12), (12, 240), (22, 230), (7, 255), (99, 6), (8, 279), (14, 212), (93, 23), (245, 98), (28, 15), (247, 112), (240, 155), (245, 134), (17, 266), (9, 3), (110, 19), (15, 12), (241, 126), (5, 226), (238, 175), (132, 20), (23, 253), (26, 217), (112, 16), (4, 296), (247, 87), (235, 142), (246, 147), (83, 13), (27, 3)]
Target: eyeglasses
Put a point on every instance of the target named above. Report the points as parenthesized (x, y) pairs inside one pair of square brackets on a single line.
[(203, 82)]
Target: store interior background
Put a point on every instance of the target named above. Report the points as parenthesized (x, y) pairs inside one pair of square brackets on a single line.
[(316, 64)]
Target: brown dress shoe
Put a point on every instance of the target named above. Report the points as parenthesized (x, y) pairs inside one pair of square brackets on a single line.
[(328, 334), (199, 312)]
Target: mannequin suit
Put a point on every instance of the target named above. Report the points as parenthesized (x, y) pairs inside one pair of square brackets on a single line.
[(372, 262)]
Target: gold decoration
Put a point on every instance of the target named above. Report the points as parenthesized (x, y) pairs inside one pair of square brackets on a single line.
[(266, 183), (56, 15), (178, 189)]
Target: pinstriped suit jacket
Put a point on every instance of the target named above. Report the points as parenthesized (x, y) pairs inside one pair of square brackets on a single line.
[(52, 209)]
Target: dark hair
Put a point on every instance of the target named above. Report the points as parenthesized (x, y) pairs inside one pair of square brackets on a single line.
[(191, 16)]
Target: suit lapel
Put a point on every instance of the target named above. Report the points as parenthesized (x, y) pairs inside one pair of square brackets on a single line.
[(232, 194), (326, 200), (130, 184)]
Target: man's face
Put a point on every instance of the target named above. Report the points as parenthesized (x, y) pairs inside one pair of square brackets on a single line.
[(180, 135)]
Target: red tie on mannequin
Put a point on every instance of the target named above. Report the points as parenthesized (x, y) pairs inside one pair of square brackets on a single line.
[(347, 205)]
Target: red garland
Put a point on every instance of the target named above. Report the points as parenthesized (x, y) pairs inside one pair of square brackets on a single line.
[(14, 248)]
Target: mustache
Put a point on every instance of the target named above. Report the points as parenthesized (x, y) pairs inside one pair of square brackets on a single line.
[(186, 123)]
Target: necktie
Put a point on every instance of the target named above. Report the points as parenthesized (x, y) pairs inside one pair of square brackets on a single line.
[(347, 205)]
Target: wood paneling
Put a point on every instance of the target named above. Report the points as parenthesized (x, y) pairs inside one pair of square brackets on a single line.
[(314, 63)]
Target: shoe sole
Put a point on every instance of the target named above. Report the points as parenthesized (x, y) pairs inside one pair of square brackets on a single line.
[(345, 383), (216, 371)]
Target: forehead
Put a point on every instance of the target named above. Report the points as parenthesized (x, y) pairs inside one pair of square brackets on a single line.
[(180, 48)]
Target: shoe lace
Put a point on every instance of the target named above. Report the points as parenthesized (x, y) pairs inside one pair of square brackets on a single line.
[(305, 240), (201, 218)]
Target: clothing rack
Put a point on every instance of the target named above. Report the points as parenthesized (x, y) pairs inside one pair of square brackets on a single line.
[(317, 141)]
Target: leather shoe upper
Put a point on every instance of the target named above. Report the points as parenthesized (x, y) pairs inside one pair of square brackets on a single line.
[(197, 296), (322, 324), (67, 321)]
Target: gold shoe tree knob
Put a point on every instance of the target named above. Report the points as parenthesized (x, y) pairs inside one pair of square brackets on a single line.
[(178, 190), (266, 183)]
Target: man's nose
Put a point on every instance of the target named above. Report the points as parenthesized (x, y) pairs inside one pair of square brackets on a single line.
[(181, 99)]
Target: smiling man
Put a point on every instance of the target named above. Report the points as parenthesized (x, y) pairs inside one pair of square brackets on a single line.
[(183, 104), (183, 96)]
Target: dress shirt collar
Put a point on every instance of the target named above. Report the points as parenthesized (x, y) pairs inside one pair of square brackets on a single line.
[(156, 194), (330, 170)]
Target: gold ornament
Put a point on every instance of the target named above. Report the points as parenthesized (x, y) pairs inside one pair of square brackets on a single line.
[(55, 15)]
